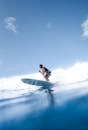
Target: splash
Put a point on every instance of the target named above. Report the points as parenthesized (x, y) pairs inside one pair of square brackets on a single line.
[(68, 79)]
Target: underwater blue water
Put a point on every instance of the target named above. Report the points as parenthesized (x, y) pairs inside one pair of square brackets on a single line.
[(43, 111)]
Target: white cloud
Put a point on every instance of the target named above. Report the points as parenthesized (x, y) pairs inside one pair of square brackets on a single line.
[(85, 28), (10, 24)]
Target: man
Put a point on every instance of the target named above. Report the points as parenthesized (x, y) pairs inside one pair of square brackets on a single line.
[(45, 72)]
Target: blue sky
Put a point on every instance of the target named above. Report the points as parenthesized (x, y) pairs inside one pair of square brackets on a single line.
[(51, 32)]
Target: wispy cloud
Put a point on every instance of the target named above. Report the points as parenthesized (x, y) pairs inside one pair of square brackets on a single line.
[(49, 25), (10, 24), (84, 26)]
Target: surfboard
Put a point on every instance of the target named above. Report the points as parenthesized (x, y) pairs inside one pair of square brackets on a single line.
[(37, 82), (45, 85)]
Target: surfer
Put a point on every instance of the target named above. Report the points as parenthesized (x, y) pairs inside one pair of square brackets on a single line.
[(45, 72)]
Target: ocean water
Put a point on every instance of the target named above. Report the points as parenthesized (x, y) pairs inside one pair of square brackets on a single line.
[(28, 107), (25, 107)]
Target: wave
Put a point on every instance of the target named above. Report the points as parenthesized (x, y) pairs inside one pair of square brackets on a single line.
[(67, 79)]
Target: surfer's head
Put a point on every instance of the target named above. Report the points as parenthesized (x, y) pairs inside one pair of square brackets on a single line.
[(40, 65)]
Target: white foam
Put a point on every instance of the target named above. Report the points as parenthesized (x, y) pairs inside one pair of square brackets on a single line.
[(75, 74)]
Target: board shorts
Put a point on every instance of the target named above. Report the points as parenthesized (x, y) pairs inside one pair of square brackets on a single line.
[(47, 74)]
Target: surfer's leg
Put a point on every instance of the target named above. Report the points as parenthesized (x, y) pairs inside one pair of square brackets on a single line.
[(46, 78)]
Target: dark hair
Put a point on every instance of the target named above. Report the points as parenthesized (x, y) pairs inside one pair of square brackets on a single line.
[(40, 65)]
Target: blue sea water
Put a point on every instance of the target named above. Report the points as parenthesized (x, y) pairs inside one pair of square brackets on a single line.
[(61, 109)]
